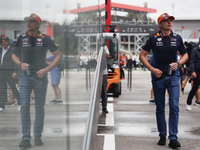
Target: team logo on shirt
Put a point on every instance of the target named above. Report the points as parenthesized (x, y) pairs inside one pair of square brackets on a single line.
[(39, 39), (25, 42), (173, 43), (159, 43), (172, 39), (41, 35), (156, 35), (25, 39), (159, 39)]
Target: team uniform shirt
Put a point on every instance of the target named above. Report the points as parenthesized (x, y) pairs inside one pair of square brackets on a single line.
[(165, 51), (32, 50)]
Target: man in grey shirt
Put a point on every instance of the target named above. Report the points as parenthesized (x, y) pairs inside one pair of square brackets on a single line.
[(104, 84)]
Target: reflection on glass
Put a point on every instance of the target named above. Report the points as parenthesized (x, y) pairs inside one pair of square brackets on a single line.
[(54, 103)]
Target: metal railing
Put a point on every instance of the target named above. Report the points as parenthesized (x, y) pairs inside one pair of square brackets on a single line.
[(93, 114)]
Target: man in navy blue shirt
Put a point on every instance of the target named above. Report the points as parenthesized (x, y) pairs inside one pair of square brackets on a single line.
[(165, 68), (32, 47)]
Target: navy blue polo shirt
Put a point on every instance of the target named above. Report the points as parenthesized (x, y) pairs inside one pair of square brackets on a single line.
[(165, 51), (32, 50)]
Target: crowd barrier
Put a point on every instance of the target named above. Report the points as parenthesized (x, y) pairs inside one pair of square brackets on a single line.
[(93, 113)]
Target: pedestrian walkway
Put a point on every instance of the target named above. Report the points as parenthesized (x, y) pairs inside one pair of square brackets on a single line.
[(130, 124), (64, 123), (134, 126)]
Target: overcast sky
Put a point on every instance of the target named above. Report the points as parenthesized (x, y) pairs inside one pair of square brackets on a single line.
[(53, 9)]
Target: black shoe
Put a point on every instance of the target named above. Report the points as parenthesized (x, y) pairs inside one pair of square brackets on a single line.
[(25, 144), (152, 101), (104, 110), (53, 101), (174, 144), (58, 101), (10, 103), (162, 140), (197, 103), (38, 141)]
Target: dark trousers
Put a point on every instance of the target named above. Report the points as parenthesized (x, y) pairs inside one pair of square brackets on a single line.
[(104, 92), (196, 83), (122, 72), (3, 90)]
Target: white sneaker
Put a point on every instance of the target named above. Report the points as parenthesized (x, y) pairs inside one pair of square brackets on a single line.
[(1, 109), (19, 107), (188, 107)]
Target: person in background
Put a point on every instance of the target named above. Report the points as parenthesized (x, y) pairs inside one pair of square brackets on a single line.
[(189, 47), (104, 84), (129, 63), (152, 100), (165, 45), (195, 72), (8, 73), (31, 48), (182, 73), (55, 80), (134, 64), (197, 94), (122, 63)]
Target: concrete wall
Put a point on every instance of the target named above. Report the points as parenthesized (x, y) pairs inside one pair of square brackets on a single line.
[(14, 28), (188, 29)]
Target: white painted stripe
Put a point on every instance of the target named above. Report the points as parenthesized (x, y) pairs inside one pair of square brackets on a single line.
[(110, 99), (109, 142), (109, 139), (110, 115), (131, 103), (78, 103)]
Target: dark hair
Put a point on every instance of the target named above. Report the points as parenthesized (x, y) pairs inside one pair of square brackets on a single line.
[(5, 38)]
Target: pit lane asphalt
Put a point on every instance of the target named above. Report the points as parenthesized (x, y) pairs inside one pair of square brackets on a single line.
[(135, 121), (134, 118)]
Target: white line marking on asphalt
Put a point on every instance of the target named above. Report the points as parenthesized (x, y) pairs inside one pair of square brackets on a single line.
[(78, 103), (110, 115), (110, 99), (109, 139), (109, 142), (132, 103)]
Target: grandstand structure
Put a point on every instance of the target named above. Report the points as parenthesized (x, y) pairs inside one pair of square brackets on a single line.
[(133, 26)]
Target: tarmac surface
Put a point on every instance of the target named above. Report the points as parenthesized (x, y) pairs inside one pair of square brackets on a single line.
[(133, 125), (55, 126), (135, 121)]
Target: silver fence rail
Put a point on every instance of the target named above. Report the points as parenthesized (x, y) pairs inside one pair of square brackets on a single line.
[(93, 113)]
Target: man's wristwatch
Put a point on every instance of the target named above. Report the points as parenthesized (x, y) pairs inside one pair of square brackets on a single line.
[(179, 65)]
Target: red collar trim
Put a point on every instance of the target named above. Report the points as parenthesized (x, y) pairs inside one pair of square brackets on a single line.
[(33, 36), (167, 35)]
